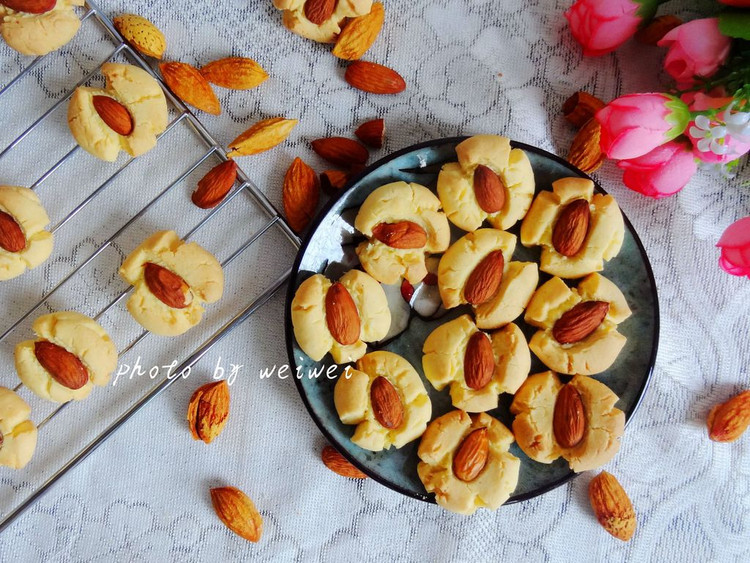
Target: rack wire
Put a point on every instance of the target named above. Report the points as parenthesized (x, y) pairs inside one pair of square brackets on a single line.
[(272, 221)]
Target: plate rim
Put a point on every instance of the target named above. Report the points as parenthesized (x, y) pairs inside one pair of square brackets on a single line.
[(291, 290)]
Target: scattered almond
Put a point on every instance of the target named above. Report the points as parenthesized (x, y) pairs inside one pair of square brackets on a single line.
[(12, 238), (337, 463), (262, 136), (488, 189), (318, 11), (485, 278), (30, 6), (141, 34), (300, 194), (386, 403), (571, 227), (237, 73), (479, 361), (372, 133), (404, 234), (167, 287), (657, 28), (333, 181), (569, 421), (342, 316), (728, 421), (188, 84), (585, 152), (580, 321), (114, 114), (208, 411), (471, 456), (64, 367), (215, 185), (359, 34), (374, 78), (237, 511), (340, 151), (612, 506), (581, 107)]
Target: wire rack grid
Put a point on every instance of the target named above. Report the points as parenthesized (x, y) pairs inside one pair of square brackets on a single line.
[(64, 283)]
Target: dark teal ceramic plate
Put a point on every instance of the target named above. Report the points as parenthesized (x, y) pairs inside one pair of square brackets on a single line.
[(329, 249)]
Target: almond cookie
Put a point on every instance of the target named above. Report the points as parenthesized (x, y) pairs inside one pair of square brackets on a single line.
[(577, 229), (577, 421), (71, 354), (466, 462), (339, 317), (578, 326), (320, 20), (404, 224), (172, 280), (126, 115), (478, 367), (23, 241), (17, 433), (385, 398), (476, 269), (490, 181), (50, 26)]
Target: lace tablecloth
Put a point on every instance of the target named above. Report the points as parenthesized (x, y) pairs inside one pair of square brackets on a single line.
[(471, 67)]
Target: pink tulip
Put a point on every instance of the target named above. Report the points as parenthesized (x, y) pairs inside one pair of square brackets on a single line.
[(600, 27), (696, 48), (636, 124), (735, 248), (738, 3), (662, 172)]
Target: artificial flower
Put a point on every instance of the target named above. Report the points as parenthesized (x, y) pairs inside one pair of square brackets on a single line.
[(601, 27), (696, 48), (714, 143), (735, 248), (662, 172)]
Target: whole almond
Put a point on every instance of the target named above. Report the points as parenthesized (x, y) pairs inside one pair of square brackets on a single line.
[(300, 194), (585, 152), (580, 321), (12, 238), (371, 133), (64, 367), (190, 86), (488, 189), (485, 278), (237, 511), (571, 227), (333, 181), (340, 151), (141, 34), (657, 28), (612, 506), (114, 114), (386, 403), (359, 34), (569, 420), (237, 73), (262, 136), (471, 456), (581, 107), (479, 361), (342, 316), (374, 78), (30, 6), (337, 463), (167, 287), (319, 11), (208, 411), (728, 421), (404, 234), (215, 185)]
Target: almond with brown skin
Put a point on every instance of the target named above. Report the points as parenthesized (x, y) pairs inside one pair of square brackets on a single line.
[(569, 420), (190, 86), (318, 11), (215, 185), (581, 107), (571, 227), (612, 506), (342, 316), (30, 6), (236, 73), (262, 136), (238, 513), (485, 279), (167, 287), (372, 133), (337, 463), (585, 152), (374, 78), (657, 28), (488, 189), (333, 181), (65, 368), (300, 194), (479, 361), (728, 421), (114, 114), (580, 321), (208, 411), (404, 234), (12, 238), (471, 456), (359, 34), (386, 403), (340, 151)]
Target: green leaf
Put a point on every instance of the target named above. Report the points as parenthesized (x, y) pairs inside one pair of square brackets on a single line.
[(735, 23)]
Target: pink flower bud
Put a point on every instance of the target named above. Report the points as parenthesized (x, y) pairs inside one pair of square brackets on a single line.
[(735, 248), (696, 48), (662, 172), (601, 27)]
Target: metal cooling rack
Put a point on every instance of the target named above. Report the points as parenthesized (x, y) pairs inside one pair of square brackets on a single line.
[(27, 493)]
